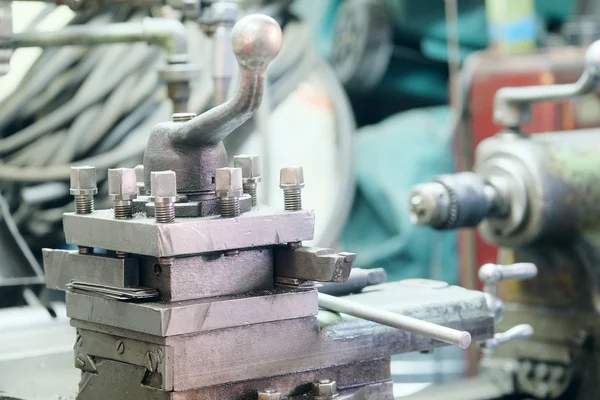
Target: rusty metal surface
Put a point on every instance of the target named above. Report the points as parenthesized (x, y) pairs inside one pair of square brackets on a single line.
[(262, 226)]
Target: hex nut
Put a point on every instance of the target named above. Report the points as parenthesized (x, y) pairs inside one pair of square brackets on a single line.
[(83, 181), (122, 184), (325, 388), (291, 178), (228, 182), (250, 166), (163, 186)]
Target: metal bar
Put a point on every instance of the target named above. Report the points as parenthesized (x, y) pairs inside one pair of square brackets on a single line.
[(461, 339), (169, 34)]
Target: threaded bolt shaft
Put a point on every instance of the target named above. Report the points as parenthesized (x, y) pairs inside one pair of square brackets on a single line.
[(229, 207), (250, 188), (123, 209), (164, 212), (292, 199), (84, 204)]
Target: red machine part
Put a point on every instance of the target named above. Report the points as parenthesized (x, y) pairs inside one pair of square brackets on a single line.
[(492, 72)]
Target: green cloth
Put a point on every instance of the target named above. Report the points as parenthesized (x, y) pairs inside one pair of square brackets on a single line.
[(390, 158)]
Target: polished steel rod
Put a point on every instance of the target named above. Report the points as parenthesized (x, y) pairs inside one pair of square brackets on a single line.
[(444, 334)]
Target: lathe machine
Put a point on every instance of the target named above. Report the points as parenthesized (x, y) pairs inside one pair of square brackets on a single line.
[(536, 197)]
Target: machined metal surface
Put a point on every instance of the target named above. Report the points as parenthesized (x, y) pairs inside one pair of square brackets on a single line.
[(193, 316), (358, 280), (63, 267), (260, 227), (312, 264), (209, 275), (213, 357)]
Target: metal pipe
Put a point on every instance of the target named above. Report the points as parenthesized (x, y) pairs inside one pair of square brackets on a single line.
[(167, 33), (444, 334)]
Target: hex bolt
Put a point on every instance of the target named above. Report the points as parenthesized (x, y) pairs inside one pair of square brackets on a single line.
[(250, 166), (291, 180), (325, 389), (139, 180), (83, 188), (269, 394), (164, 191), (122, 189), (229, 188)]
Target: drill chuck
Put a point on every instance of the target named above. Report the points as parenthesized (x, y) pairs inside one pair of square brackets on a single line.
[(451, 201)]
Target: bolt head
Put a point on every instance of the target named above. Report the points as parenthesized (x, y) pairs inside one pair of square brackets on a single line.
[(139, 176), (250, 166), (325, 387), (228, 182), (83, 181), (163, 186), (269, 394), (291, 178), (122, 184)]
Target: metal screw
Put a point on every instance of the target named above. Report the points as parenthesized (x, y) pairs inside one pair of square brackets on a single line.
[(250, 166), (325, 388), (151, 361), (140, 180), (228, 187), (291, 180), (269, 394), (120, 346), (122, 189), (164, 190), (83, 187), (80, 361)]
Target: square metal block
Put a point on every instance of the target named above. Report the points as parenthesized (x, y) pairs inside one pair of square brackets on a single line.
[(262, 226)]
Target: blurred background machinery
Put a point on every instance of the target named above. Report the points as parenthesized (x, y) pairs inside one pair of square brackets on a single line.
[(535, 196)]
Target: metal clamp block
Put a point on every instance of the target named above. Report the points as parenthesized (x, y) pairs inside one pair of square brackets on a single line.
[(313, 264)]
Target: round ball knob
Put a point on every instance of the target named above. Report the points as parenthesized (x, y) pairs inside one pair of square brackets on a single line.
[(256, 41), (592, 59)]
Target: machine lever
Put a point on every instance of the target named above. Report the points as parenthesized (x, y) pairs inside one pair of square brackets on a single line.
[(519, 332), (492, 274)]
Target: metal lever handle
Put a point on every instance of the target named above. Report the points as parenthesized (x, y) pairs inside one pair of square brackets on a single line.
[(519, 332), (461, 339), (492, 274), (256, 40), (512, 105)]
